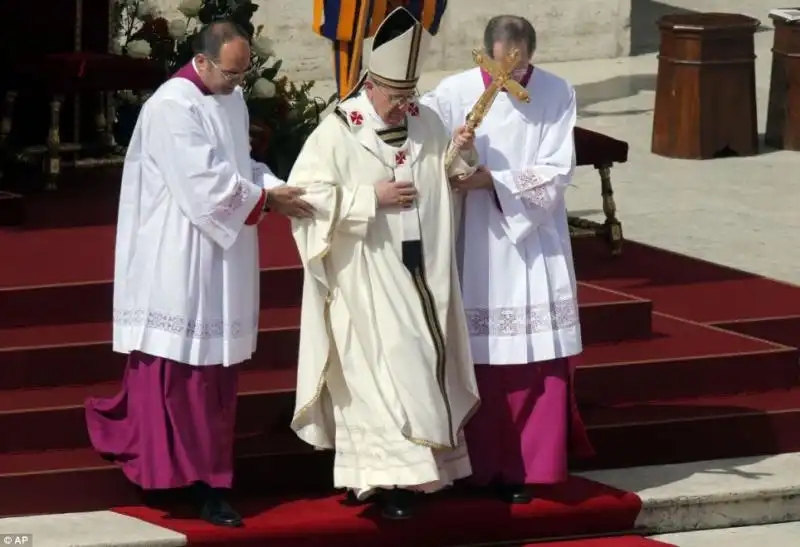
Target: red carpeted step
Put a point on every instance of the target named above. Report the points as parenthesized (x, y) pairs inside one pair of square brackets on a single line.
[(60, 481), (629, 435), (53, 418), (781, 330), (64, 304), (92, 302), (685, 286), (86, 254), (445, 519), (716, 361), (704, 428), (679, 285), (683, 359), (80, 354), (42, 355)]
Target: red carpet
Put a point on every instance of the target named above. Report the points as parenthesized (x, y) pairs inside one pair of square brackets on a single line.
[(580, 507), (678, 351)]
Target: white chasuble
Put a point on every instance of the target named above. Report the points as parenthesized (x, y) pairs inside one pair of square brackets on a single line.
[(186, 271), (385, 374), (515, 259)]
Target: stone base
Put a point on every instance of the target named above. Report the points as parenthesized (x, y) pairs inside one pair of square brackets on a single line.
[(711, 495)]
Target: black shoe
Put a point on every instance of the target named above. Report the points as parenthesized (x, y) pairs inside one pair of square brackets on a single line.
[(396, 504), (515, 494), (351, 500), (214, 508)]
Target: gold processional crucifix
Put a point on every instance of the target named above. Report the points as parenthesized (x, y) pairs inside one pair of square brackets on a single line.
[(501, 79)]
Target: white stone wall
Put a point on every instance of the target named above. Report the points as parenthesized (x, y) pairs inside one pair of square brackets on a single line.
[(567, 29)]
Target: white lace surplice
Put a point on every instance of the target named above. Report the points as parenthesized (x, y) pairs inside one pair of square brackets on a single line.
[(186, 269), (516, 267)]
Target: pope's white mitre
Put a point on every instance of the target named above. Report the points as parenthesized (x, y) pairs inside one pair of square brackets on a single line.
[(397, 47), (399, 44)]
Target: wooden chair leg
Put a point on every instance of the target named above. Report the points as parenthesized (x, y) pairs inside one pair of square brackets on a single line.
[(612, 227), (8, 116), (6, 124), (53, 161), (110, 117)]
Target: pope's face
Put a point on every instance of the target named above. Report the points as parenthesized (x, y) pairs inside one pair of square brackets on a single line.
[(224, 74), (501, 50), (391, 104)]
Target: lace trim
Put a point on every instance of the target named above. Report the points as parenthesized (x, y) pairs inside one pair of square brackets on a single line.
[(531, 188), (183, 326), (515, 321), (231, 204), (526, 180), (538, 197)]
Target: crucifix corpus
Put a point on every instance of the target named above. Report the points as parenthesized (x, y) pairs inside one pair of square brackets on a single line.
[(501, 79)]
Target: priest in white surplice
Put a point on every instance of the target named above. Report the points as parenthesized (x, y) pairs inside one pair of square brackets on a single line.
[(186, 277), (385, 374), (516, 266)]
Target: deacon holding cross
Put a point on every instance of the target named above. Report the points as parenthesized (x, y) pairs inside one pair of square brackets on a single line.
[(385, 374), (186, 277), (517, 273)]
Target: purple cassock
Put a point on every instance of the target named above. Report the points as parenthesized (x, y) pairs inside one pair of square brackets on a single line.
[(172, 424), (528, 422), (527, 425)]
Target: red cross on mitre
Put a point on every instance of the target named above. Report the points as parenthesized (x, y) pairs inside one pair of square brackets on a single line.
[(413, 109), (400, 157), (356, 118)]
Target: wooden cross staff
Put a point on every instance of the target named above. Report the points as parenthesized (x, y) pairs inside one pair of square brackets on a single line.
[(501, 79)]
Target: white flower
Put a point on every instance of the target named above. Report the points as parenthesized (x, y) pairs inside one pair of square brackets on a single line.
[(138, 49), (263, 89), (263, 47), (144, 9), (177, 28), (116, 47), (190, 8)]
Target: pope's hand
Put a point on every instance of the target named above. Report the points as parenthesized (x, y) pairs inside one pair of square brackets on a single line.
[(286, 200), (463, 137), (395, 193)]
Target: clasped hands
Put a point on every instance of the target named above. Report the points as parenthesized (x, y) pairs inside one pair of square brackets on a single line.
[(394, 193)]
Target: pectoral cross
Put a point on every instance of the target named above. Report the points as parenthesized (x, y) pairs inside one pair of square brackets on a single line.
[(501, 79)]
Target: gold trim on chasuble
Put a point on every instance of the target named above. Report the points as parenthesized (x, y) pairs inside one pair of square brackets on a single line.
[(431, 321), (326, 310)]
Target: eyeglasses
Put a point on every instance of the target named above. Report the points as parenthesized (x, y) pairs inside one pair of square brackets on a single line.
[(399, 100), (232, 77)]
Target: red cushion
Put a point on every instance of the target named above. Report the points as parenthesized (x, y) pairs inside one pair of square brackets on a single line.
[(593, 148)]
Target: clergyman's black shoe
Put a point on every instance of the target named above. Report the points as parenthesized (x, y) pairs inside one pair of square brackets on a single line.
[(215, 509), (516, 494), (396, 504)]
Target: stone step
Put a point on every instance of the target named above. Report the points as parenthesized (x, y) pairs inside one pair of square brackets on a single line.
[(765, 535), (713, 494)]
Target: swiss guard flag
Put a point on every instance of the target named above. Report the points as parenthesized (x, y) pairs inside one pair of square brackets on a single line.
[(338, 21)]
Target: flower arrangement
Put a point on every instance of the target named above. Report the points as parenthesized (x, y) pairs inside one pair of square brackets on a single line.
[(282, 113)]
